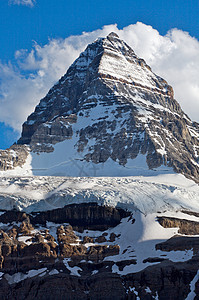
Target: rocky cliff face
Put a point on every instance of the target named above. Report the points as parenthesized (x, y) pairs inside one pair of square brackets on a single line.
[(44, 260), (13, 157), (112, 106)]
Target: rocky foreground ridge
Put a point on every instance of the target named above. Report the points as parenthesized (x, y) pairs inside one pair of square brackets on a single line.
[(110, 106), (43, 258)]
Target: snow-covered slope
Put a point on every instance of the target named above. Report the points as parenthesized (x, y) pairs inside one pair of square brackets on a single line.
[(172, 192)]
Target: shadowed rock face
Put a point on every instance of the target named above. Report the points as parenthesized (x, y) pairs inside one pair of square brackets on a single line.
[(121, 109), (91, 216), (179, 243), (80, 216), (173, 284), (167, 280), (109, 286)]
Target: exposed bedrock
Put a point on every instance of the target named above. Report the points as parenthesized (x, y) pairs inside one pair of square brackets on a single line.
[(80, 216), (56, 262), (179, 243), (13, 157), (63, 286), (185, 226), (165, 281)]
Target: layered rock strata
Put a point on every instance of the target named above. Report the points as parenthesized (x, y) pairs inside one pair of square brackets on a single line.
[(186, 227), (41, 263), (13, 157), (111, 106)]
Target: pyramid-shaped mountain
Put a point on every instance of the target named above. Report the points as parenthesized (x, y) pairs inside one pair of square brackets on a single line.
[(110, 115)]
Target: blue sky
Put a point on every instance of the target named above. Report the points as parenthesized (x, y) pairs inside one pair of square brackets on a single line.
[(23, 24)]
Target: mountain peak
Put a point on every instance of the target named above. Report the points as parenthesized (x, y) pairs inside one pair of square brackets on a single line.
[(112, 35), (110, 110)]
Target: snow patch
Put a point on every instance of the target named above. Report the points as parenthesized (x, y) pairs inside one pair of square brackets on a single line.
[(137, 241), (17, 277), (53, 272), (192, 294), (1, 274), (73, 270)]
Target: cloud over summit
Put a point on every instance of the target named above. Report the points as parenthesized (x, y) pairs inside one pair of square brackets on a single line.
[(175, 57)]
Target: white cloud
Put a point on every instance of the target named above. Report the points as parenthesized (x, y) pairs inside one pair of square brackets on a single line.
[(30, 3), (174, 56)]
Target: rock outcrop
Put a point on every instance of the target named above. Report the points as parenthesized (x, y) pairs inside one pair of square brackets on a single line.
[(185, 226), (23, 247), (81, 216), (13, 157), (179, 243), (46, 261)]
